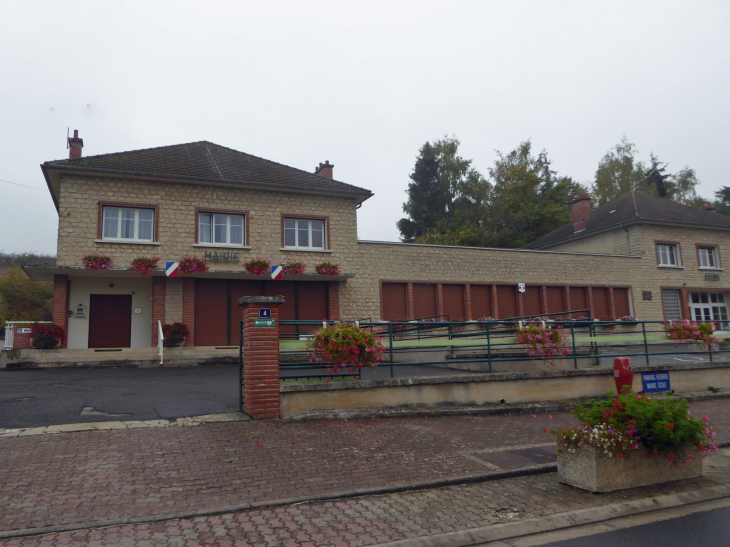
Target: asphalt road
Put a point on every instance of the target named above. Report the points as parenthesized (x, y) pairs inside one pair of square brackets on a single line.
[(706, 529), (33, 398)]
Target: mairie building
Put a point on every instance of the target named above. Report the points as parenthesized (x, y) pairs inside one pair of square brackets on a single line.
[(637, 256)]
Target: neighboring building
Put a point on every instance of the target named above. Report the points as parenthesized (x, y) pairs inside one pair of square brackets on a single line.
[(681, 246), (229, 207)]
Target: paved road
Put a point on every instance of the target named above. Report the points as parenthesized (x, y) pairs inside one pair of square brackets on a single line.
[(32, 398), (707, 529)]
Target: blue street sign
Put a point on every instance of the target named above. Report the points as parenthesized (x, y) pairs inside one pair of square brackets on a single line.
[(264, 313), (655, 381)]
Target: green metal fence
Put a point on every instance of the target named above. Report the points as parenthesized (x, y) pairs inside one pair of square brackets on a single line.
[(586, 339)]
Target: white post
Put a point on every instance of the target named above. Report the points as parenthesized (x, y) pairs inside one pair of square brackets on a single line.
[(9, 331), (160, 338)]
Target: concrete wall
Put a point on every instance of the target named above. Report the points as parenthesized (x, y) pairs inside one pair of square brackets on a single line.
[(83, 287), (483, 389)]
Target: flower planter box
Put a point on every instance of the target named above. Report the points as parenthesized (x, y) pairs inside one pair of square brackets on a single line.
[(520, 337), (590, 469), (677, 335)]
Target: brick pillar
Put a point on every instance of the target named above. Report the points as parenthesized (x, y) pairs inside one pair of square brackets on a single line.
[(544, 300), (611, 303), (188, 313), (411, 302), (60, 304), (683, 302), (333, 300), (591, 309), (261, 397), (158, 305), (440, 300), (495, 303), (467, 299)]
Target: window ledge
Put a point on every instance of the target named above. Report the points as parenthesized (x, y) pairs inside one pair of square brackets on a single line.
[(302, 250), (220, 246), (120, 242), (706, 269), (670, 267)]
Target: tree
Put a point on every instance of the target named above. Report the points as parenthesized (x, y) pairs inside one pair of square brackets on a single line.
[(618, 173), (530, 199), (441, 183), (722, 200), (522, 199), (23, 298)]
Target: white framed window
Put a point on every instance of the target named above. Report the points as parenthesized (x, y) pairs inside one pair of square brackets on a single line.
[(667, 254), (708, 257), (302, 233), (128, 224), (221, 229)]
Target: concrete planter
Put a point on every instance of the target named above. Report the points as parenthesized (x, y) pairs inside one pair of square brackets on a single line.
[(591, 470)]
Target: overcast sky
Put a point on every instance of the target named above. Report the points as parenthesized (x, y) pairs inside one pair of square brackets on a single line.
[(361, 84)]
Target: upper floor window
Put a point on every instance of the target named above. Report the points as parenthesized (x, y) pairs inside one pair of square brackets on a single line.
[(708, 257), (667, 254), (124, 223), (221, 229), (304, 233)]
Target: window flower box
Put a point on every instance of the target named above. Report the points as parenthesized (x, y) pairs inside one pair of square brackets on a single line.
[(589, 468), (98, 261), (258, 266), (327, 268)]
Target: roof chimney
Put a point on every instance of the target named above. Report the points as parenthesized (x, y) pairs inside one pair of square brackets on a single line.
[(710, 208), (324, 169), (74, 145), (581, 207)]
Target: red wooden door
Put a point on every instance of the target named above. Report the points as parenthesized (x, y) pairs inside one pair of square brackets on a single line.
[(110, 321), (395, 302), (454, 302), (507, 301), (211, 315), (555, 300), (481, 301), (312, 304), (424, 300), (531, 301)]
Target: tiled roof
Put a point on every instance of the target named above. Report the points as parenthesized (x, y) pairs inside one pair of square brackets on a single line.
[(205, 160), (634, 206)]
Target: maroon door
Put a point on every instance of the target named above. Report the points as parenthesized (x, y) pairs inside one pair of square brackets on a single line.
[(211, 312), (395, 302), (110, 321)]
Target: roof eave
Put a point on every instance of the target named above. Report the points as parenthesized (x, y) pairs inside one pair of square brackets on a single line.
[(635, 220), (46, 167)]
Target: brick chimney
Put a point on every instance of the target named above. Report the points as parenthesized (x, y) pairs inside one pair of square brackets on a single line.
[(710, 208), (74, 145), (324, 169), (581, 207)]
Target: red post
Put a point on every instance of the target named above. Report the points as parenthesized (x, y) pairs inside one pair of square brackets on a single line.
[(623, 374), (261, 397)]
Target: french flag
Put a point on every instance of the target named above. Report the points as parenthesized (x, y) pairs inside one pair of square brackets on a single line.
[(171, 269), (276, 273)]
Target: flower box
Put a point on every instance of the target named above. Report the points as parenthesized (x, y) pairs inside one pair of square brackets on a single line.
[(588, 468)]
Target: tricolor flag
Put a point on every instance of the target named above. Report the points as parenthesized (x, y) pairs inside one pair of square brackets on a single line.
[(171, 269), (276, 272)]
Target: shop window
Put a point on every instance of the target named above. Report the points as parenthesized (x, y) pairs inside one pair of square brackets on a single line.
[(303, 234), (128, 224), (708, 257)]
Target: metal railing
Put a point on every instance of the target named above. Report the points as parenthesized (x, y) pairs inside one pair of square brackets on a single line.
[(494, 342), (10, 327)]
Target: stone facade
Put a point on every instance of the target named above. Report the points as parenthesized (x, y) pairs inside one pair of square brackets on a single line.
[(79, 221), (615, 258)]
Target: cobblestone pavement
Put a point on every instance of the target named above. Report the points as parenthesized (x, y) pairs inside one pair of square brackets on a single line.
[(372, 520), (80, 477)]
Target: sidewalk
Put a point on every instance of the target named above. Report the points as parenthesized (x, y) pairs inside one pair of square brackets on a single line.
[(79, 478)]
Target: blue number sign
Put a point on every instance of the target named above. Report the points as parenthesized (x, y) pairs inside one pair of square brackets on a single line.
[(655, 381), (264, 313)]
